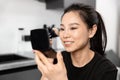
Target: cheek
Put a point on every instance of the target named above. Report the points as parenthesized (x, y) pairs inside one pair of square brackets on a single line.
[(60, 35), (81, 39), (80, 35)]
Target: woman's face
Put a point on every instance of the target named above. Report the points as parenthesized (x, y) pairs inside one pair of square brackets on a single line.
[(74, 33)]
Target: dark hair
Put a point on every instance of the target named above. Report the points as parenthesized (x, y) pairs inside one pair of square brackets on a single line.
[(90, 16)]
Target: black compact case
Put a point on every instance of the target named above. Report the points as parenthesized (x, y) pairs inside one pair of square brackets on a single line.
[(40, 41)]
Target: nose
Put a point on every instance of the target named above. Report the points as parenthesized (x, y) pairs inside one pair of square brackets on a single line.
[(66, 34)]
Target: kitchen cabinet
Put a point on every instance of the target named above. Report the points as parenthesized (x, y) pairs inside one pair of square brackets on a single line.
[(18, 67), (26, 73), (61, 4)]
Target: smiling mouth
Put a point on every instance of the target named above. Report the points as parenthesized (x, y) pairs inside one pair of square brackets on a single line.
[(68, 43)]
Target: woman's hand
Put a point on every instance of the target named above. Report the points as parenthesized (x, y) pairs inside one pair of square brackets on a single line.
[(49, 70), (56, 31)]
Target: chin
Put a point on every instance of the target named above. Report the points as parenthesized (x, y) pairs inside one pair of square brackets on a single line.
[(69, 50)]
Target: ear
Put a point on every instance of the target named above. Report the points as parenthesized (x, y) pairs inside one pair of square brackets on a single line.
[(92, 31)]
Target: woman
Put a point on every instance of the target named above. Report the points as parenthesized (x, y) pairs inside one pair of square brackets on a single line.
[(83, 35)]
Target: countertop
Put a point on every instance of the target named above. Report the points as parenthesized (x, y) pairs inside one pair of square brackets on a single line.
[(19, 63)]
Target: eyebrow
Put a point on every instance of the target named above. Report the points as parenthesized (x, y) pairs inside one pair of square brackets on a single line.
[(71, 24)]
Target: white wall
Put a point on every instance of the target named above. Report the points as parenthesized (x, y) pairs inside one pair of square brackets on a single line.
[(118, 46), (26, 14), (109, 11)]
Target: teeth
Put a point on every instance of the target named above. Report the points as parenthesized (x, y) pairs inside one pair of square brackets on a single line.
[(68, 42)]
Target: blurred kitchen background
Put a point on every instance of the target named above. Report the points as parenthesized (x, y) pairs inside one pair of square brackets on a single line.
[(18, 17), (29, 14)]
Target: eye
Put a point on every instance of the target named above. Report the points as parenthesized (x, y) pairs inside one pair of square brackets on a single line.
[(73, 28), (61, 29)]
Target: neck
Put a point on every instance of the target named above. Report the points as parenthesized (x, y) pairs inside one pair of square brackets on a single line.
[(81, 58)]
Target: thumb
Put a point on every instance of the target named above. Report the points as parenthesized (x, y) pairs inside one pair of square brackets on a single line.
[(60, 58)]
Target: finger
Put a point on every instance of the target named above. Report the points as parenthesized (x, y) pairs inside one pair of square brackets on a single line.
[(56, 31), (38, 61), (42, 57), (43, 78), (51, 60), (60, 58), (40, 65)]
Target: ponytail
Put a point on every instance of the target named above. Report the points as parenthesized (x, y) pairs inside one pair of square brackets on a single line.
[(99, 41)]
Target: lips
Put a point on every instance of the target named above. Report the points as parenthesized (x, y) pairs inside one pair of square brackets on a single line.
[(68, 43)]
